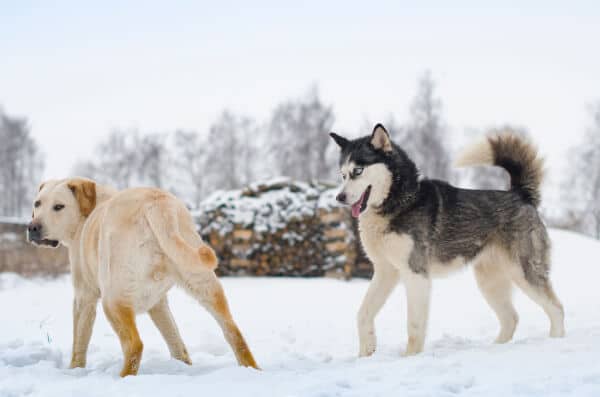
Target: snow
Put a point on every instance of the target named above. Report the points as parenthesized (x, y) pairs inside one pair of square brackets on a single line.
[(327, 199), (302, 332)]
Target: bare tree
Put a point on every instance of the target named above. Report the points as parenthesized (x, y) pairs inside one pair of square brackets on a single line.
[(299, 140), (151, 159), (424, 136), (231, 142), (582, 188), (21, 165), (190, 163), (115, 160), (184, 162), (127, 158)]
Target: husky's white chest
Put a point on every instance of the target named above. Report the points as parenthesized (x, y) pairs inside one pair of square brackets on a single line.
[(382, 246)]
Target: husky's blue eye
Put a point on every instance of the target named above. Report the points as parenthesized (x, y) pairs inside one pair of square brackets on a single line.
[(357, 171)]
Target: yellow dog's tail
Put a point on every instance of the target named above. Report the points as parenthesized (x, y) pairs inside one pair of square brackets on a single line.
[(162, 216)]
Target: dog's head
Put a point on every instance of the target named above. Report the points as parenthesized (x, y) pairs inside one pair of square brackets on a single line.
[(59, 209), (373, 169)]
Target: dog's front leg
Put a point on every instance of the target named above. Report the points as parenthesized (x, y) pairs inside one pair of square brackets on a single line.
[(385, 278), (418, 292), (84, 315)]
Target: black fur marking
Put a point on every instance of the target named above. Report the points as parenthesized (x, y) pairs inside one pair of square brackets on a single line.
[(365, 202), (340, 140), (515, 169), (446, 222), (519, 158), (379, 125)]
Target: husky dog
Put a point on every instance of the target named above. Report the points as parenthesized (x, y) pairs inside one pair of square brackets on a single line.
[(415, 229)]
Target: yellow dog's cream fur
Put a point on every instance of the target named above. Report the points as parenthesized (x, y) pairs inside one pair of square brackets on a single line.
[(128, 249)]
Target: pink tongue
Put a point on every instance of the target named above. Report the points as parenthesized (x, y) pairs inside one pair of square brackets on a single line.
[(356, 206)]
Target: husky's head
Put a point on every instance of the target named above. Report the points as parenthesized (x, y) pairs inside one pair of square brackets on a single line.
[(376, 173)]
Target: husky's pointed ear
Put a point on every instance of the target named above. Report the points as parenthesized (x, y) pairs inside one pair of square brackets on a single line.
[(380, 139), (85, 194), (340, 140)]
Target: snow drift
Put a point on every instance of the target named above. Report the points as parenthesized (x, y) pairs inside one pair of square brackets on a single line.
[(303, 334)]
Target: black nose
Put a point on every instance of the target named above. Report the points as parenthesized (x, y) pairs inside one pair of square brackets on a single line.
[(341, 197), (35, 231)]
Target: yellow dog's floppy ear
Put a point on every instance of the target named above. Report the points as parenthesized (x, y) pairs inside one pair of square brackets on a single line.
[(85, 194)]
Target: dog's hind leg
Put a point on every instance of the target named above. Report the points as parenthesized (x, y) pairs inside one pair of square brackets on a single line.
[(122, 319), (163, 319), (84, 315), (532, 253), (542, 293), (495, 285), (207, 289), (385, 279), (418, 293)]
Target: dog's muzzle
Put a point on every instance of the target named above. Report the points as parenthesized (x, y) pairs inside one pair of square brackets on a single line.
[(34, 235), (34, 231)]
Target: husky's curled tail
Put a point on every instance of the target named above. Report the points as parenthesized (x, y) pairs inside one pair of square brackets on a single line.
[(517, 156)]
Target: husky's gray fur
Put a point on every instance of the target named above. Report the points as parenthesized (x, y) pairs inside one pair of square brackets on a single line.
[(413, 229)]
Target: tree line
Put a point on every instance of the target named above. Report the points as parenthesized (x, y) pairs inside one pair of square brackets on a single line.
[(21, 165), (237, 149)]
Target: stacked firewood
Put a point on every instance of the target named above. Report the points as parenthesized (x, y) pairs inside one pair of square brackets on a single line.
[(276, 228), (282, 228), (19, 256)]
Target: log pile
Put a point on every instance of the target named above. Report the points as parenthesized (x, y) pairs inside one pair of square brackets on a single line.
[(282, 228), (276, 228), (19, 256)]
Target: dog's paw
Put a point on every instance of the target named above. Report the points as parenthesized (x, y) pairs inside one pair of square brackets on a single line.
[(367, 341), (76, 364), (184, 357), (409, 353), (413, 347), (557, 333), (77, 361), (502, 338), (366, 351)]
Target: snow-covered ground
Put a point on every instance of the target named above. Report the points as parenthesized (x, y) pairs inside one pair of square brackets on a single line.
[(302, 332)]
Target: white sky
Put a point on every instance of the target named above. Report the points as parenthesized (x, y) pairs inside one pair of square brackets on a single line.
[(77, 70)]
